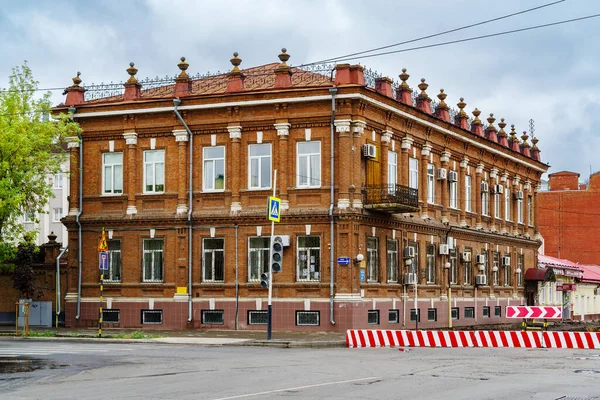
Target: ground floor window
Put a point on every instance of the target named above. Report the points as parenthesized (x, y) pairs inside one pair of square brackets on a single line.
[(498, 311), (309, 258), (373, 317), (213, 260), (394, 316), (258, 257), (414, 315), (432, 314), (153, 260), (454, 312), (469, 312)]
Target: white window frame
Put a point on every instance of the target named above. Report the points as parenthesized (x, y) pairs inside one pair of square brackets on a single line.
[(520, 211), (496, 263), (155, 165), (431, 183), (311, 251), (392, 171), (58, 180), (453, 189), (208, 183), (29, 217), (507, 273), (261, 255), (413, 173), (392, 260), (430, 250), (259, 166), (468, 269), (372, 259), (468, 193), (300, 175), (485, 203), (152, 254), (507, 203), (113, 262), (496, 205), (214, 257), (520, 262), (57, 214), (530, 209), (114, 171), (453, 259)]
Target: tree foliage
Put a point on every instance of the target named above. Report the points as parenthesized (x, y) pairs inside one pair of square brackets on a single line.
[(30, 151), (23, 276)]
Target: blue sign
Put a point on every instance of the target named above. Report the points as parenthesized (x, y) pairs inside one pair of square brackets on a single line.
[(344, 260), (274, 209), (362, 275), (104, 261)]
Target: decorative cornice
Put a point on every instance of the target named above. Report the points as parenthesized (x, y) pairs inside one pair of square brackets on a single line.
[(235, 132), (426, 150), (130, 137), (181, 135), (407, 143), (342, 125), (283, 129), (464, 162), (493, 173), (358, 127), (386, 136), (479, 169), (445, 156)]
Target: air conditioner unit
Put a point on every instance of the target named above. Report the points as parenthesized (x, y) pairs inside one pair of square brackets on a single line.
[(481, 280), (442, 173), (485, 187), (444, 249), (369, 151), (499, 189), (506, 260), (480, 259), (466, 256), (452, 176), (410, 278), (519, 195), (409, 252)]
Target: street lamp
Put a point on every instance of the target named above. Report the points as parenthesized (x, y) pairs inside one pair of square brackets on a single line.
[(447, 265)]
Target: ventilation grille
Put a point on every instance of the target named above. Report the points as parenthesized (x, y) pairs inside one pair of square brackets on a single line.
[(373, 317), (213, 317), (257, 318), (307, 318), (152, 316)]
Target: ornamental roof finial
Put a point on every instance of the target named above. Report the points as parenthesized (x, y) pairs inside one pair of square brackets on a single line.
[(283, 57), (132, 71), (404, 77), (442, 96), (235, 61), (183, 66)]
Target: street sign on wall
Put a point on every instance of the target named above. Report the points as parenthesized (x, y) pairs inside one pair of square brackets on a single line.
[(548, 312), (343, 260)]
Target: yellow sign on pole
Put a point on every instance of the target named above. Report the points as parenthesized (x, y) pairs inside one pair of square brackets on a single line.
[(103, 246), (274, 209)]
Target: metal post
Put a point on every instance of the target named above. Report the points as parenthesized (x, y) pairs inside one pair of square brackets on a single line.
[(100, 318), (416, 309), (449, 300), (270, 270), (17, 319), (27, 319)]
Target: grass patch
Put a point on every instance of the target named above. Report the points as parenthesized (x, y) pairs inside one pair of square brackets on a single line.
[(134, 335), (41, 334)]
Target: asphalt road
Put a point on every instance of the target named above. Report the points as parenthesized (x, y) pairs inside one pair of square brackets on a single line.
[(32, 369)]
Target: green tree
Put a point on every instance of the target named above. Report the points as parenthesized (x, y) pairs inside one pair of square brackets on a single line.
[(23, 276), (30, 151)]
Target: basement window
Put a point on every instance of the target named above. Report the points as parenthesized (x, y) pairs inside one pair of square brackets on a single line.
[(394, 316), (373, 317), (111, 316), (152, 316), (213, 317), (257, 317), (308, 318)]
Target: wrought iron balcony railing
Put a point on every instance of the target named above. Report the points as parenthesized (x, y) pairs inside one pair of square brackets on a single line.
[(391, 198)]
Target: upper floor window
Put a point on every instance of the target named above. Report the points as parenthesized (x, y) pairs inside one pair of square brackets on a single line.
[(309, 164), (372, 259), (520, 262), (114, 261), (430, 263), (29, 216), (467, 267), (58, 180), (153, 260), (213, 260), (496, 267), (430, 183), (154, 171), (453, 266), (258, 257), (507, 273), (309, 258), (112, 171), (413, 173), (485, 200), (58, 214), (520, 211), (392, 171), (497, 205), (507, 203), (392, 260), (260, 166), (453, 187), (468, 193), (486, 266), (530, 210), (214, 168), (414, 265)]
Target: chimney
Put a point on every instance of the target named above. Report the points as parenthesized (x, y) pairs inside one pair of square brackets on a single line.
[(183, 83), (491, 129), (74, 92), (357, 75), (462, 119), (236, 77), (442, 110), (383, 85), (423, 100), (283, 73), (564, 180), (476, 125)]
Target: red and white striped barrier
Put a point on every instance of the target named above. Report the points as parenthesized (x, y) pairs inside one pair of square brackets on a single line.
[(389, 338)]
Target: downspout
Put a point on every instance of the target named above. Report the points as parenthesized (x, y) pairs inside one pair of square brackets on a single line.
[(58, 283), (237, 280), (176, 103), (79, 233), (333, 91)]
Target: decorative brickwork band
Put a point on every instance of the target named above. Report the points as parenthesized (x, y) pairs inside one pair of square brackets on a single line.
[(554, 340)]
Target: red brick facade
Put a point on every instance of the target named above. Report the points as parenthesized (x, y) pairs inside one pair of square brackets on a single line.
[(291, 110), (569, 218)]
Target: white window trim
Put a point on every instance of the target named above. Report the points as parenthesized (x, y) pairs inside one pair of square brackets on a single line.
[(485, 205), (388, 253), (373, 253), (54, 219), (453, 195), (259, 158), (299, 277), (258, 250), (392, 171), (468, 193), (497, 213), (112, 165), (204, 251), (415, 184), (58, 178), (204, 159), (430, 272), (430, 183), (301, 173), (507, 205), (110, 274), (151, 253), (154, 175), (520, 211)]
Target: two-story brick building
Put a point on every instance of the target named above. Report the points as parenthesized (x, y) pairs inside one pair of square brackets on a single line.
[(420, 197)]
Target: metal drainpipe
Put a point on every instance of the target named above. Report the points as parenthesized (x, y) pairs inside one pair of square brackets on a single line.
[(237, 281), (79, 231), (58, 283), (176, 103), (333, 91)]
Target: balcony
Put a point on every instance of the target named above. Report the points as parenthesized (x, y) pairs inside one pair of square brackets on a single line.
[(391, 198)]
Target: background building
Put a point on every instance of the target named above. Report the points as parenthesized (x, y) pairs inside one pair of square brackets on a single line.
[(389, 199)]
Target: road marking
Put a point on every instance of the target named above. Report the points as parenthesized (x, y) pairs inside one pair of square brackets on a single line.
[(296, 388), (47, 350)]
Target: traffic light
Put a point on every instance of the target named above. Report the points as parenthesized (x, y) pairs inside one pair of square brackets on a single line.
[(264, 280), (277, 254)]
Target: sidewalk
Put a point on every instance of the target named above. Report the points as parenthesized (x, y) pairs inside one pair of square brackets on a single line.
[(192, 337)]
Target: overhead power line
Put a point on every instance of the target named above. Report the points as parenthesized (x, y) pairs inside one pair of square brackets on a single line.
[(437, 34)]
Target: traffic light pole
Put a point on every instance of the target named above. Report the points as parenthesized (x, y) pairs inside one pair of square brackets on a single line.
[(269, 301)]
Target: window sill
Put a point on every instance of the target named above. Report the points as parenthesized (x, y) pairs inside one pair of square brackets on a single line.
[(112, 195)]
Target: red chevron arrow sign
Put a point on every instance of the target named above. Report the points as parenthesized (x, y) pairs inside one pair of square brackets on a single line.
[(533, 312)]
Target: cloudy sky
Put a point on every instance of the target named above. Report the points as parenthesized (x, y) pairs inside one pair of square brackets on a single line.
[(549, 75)]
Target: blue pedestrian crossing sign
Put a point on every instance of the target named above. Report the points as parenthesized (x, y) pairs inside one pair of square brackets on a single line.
[(274, 209), (104, 261)]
